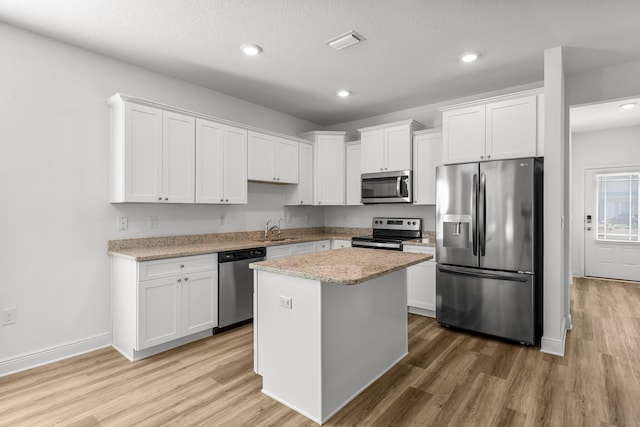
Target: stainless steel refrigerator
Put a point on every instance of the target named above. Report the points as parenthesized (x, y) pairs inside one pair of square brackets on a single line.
[(489, 248)]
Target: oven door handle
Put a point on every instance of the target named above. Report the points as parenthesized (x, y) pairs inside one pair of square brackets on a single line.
[(360, 243)]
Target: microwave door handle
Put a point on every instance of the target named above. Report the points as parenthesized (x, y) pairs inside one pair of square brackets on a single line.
[(474, 209), (399, 186)]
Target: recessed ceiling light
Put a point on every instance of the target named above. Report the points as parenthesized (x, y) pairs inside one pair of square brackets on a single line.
[(343, 93), (251, 49), (628, 105), (469, 56)]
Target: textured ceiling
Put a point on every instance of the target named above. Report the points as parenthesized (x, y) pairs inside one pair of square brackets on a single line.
[(409, 58)]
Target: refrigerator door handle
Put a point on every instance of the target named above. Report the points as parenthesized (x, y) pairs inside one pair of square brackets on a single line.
[(464, 272), (474, 209), (482, 213)]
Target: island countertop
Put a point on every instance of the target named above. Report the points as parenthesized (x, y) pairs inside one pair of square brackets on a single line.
[(347, 266)]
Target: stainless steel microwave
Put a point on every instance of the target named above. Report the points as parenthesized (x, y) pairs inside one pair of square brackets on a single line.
[(387, 187)]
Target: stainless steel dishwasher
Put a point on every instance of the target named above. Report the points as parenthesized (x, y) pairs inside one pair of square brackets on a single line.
[(235, 285)]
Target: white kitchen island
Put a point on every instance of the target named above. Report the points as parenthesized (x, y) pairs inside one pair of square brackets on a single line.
[(328, 324)]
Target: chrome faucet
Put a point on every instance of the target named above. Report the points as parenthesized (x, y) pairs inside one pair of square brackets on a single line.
[(268, 229), (280, 221)]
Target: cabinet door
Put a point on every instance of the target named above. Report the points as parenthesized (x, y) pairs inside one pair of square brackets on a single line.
[(353, 175), (398, 148), (143, 154), (283, 251), (209, 162), (421, 286), (286, 161), (235, 165), (178, 146), (305, 248), (512, 128), (339, 244), (199, 301), (463, 135), (427, 155), (159, 306), (261, 152), (305, 179), (323, 245), (373, 152), (329, 179)]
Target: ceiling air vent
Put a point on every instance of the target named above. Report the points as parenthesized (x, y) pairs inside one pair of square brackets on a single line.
[(345, 40)]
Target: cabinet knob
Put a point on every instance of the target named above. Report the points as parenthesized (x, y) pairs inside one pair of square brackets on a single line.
[(274, 178), (489, 156), (179, 280), (301, 201), (159, 198), (186, 278), (278, 179), (222, 200), (320, 202), (181, 265), (481, 157), (226, 200), (166, 198)]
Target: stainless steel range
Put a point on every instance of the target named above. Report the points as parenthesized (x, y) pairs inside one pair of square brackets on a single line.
[(390, 233)]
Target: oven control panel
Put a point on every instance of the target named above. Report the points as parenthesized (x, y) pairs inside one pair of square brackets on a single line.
[(409, 224)]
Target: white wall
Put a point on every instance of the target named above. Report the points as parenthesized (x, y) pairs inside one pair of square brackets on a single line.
[(360, 216), (613, 82), (53, 186), (602, 148)]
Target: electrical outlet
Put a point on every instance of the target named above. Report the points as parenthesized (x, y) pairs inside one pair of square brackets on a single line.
[(153, 221), (285, 302), (123, 223), (222, 219), (8, 316)]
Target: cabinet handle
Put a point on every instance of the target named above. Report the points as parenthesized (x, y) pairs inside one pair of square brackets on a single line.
[(181, 265)]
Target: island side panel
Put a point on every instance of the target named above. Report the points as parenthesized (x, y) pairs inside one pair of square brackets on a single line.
[(288, 341), (364, 334)]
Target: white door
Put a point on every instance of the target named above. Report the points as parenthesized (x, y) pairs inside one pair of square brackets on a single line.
[(286, 161), (199, 301), (463, 135), (511, 128), (178, 146), (353, 176), (398, 148), (611, 237), (373, 151), (261, 161), (158, 311)]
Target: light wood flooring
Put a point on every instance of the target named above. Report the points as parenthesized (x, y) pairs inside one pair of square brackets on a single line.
[(448, 379)]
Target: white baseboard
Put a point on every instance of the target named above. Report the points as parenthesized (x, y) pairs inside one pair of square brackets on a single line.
[(555, 346), (44, 356), (422, 311)]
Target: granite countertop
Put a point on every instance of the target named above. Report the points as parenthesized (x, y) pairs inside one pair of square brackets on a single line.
[(147, 249), (426, 242), (347, 266)]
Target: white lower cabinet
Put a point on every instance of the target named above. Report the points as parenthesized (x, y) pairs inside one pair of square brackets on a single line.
[(283, 251), (339, 244), (161, 304), (421, 283)]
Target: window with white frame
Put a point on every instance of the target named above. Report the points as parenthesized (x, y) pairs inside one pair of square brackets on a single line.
[(618, 207)]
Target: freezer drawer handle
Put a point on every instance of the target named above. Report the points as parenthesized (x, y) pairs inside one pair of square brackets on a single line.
[(482, 275)]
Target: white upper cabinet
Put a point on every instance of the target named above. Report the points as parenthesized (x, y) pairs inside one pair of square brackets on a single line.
[(353, 175), (329, 167), (302, 194), (221, 163), (272, 159), (387, 147), (504, 127), (151, 154), (427, 155)]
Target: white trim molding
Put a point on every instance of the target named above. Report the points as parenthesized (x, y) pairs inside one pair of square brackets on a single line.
[(25, 361), (555, 346)]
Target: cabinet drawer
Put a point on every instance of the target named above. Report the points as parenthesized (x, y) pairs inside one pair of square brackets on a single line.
[(175, 266)]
